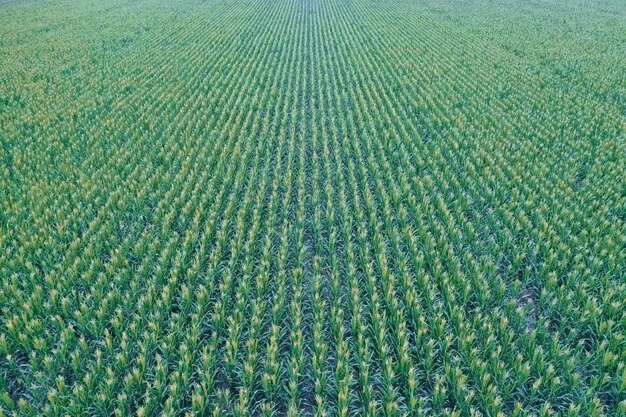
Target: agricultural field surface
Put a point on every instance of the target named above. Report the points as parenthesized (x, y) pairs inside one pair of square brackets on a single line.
[(313, 208)]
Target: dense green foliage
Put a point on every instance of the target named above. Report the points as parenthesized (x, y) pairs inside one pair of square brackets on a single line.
[(312, 207)]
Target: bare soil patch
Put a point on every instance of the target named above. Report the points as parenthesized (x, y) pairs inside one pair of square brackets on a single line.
[(529, 298)]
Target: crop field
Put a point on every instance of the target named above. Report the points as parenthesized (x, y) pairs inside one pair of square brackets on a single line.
[(313, 208)]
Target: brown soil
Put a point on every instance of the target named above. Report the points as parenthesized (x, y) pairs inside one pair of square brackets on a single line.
[(528, 298)]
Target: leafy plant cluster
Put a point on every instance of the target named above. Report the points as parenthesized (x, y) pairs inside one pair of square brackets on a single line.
[(311, 208)]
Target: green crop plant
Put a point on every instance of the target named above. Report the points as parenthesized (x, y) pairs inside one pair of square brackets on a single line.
[(312, 208)]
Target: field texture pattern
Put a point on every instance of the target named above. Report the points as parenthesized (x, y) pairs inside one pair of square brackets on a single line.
[(312, 208)]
